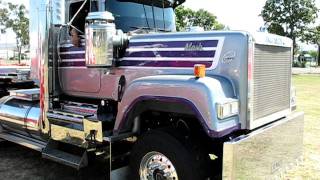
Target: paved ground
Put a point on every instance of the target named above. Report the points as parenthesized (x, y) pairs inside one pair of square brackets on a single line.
[(13, 62), (309, 70), (11, 69)]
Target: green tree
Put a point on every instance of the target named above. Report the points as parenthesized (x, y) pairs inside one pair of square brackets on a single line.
[(313, 53), (13, 16), (313, 36), (289, 17), (186, 17)]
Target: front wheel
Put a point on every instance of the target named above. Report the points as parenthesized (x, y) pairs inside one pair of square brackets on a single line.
[(167, 155)]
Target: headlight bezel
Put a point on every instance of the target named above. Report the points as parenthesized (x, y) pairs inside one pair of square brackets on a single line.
[(227, 109)]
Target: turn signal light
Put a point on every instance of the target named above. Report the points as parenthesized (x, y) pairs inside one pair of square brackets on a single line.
[(200, 70)]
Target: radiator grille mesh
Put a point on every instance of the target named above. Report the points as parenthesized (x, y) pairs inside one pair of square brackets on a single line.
[(271, 80)]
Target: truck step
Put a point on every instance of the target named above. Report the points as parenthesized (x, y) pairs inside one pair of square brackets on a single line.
[(23, 140), (52, 152), (78, 112), (80, 108), (67, 117), (115, 138)]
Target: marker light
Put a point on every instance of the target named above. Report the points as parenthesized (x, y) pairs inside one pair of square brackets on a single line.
[(227, 109), (200, 70)]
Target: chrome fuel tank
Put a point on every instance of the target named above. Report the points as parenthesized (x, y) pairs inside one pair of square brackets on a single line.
[(20, 115)]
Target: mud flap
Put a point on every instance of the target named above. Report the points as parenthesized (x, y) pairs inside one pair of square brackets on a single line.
[(266, 153), (119, 170)]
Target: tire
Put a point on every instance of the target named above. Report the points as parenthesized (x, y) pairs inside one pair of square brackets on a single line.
[(188, 160)]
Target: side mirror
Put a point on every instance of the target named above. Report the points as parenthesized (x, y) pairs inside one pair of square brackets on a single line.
[(99, 34), (102, 39)]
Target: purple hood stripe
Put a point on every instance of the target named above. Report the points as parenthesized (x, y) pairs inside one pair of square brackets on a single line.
[(151, 54), (72, 56), (72, 49), (181, 64), (73, 64), (174, 44), (194, 54)]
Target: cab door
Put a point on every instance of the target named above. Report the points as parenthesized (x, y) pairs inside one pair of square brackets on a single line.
[(74, 76), (73, 73)]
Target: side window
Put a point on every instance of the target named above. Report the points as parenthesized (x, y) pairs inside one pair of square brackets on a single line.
[(65, 39), (79, 21)]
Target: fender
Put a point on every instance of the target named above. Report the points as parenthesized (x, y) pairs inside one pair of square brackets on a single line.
[(199, 94)]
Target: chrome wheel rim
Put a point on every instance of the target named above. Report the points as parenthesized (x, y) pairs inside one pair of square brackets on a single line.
[(156, 166)]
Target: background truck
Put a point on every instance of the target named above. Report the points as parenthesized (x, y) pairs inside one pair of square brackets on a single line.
[(12, 78), (159, 103)]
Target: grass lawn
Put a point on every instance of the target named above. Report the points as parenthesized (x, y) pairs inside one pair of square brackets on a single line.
[(308, 97)]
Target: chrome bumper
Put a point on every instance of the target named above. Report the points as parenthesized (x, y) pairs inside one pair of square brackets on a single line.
[(266, 153)]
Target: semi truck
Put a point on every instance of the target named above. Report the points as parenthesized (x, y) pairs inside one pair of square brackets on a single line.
[(153, 102)]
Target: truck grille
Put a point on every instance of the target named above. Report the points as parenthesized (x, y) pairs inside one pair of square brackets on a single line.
[(271, 80)]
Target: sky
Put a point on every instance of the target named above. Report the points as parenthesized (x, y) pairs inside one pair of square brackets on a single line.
[(239, 14), (236, 14)]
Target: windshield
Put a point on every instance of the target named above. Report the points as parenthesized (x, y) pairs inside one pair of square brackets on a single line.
[(130, 15)]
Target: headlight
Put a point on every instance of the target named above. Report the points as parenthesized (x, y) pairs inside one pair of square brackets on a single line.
[(228, 108)]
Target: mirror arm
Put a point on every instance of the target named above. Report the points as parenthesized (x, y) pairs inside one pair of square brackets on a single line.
[(75, 15)]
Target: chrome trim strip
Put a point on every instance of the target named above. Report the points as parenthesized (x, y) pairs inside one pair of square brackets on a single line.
[(270, 118)]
